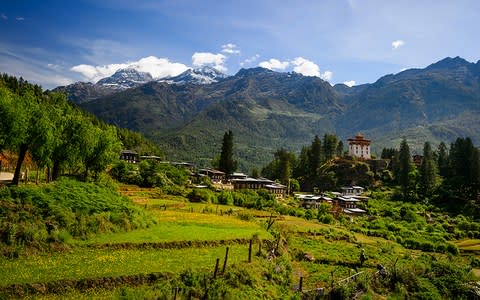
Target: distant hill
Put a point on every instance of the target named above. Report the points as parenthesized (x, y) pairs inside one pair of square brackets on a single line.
[(437, 103), (267, 110)]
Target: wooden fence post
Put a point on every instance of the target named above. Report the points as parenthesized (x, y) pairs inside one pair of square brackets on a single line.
[(300, 285), (250, 251), (216, 268), (225, 261)]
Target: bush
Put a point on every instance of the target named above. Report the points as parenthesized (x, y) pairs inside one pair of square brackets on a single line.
[(31, 216), (202, 195)]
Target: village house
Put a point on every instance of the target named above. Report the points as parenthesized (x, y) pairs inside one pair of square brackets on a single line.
[(359, 147), (352, 190), (130, 156), (313, 201), (214, 175), (247, 183)]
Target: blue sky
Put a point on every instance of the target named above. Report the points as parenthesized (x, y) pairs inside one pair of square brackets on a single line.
[(59, 42)]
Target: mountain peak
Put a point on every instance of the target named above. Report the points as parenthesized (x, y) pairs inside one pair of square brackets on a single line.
[(449, 63), (203, 75), (254, 71), (126, 78)]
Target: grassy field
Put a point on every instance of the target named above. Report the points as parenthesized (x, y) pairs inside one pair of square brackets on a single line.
[(93, 263), (185, 226)]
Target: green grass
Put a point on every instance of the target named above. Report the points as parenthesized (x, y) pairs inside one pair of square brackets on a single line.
[(183, 226), (468, 245), (93, 263)]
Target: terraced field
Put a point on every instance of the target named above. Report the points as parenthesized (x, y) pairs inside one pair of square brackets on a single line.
[(191, 237)]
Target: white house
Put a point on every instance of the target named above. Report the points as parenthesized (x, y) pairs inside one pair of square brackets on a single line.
[(359, 147)]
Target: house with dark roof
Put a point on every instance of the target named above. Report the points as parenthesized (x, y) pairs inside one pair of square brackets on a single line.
[(248, 183)]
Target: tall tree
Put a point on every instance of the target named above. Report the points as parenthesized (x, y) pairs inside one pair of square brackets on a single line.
[(428, 172), (329, 146), (404, 168), (464, 172), (443, 160), (340, 149), (315, 156), (227, 164)]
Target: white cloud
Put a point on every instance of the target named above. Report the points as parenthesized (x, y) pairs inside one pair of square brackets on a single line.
[(274, 64), (250, 60), (350, 83), (3, 16), (20, 18), (397, 44), (217, 61), (157, 67), (306, 67), (327, 75), (230, 49)]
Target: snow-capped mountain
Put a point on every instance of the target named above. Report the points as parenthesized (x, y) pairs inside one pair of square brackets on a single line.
[(204, 75), (125, 79)]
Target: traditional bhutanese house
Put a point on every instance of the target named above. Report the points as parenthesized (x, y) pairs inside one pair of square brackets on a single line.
[(352, 190), (349, 205), (214, 175), (150, 157), (129, 156), (359, 147), (185, 165), (261, 183), (236, 175), (313, 201)]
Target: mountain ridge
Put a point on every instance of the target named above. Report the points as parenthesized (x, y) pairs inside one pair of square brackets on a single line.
[(267, 110)]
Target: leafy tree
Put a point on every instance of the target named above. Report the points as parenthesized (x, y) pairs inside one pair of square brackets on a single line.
[(428, 171), (281, 167), (226, 163)]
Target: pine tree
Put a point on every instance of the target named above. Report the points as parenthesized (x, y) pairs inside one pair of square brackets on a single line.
[(226, 163), (329, 146), (428, 172), (404, 168), (315, 156), (340, 149), (443, 160)]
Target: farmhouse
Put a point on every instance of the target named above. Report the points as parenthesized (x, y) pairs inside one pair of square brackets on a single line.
[(261, 183), (313, 201), (214, 175), (129, 156), (359, 147), (352, 190), (348, 204)]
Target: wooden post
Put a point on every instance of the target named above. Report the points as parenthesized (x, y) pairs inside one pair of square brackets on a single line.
[(175, 289), (300, 285), (332, 279), (225, 261), (259, 248), (250, 251), (216, 268)]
